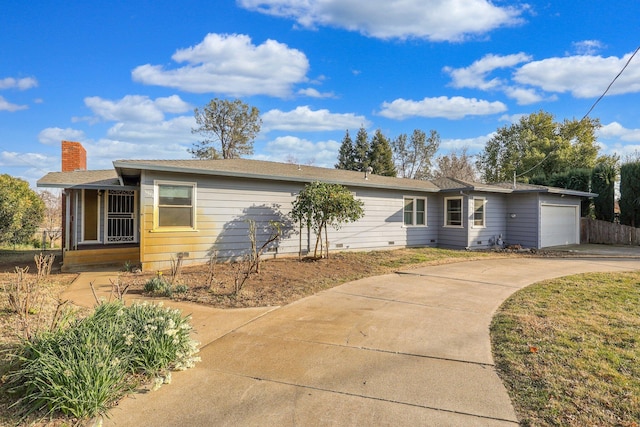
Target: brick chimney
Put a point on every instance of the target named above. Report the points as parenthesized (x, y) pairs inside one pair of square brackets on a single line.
[(74, 156)]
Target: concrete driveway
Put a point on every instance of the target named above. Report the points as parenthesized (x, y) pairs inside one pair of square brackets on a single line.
[(401, 349)]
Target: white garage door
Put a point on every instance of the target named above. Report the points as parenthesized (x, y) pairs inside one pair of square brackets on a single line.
[(559, 225)]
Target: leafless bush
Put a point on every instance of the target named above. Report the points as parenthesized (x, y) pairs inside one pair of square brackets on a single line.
[(23, 299), (241, 271), (176, 268), (44, 263), (275, 231), (211, 268), (117, 291)]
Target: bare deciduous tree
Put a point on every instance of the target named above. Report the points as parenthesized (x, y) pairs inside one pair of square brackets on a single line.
[(456, 165)]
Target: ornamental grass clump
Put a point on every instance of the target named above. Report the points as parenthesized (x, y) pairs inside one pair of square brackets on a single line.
[(160, 287), (83, 369)]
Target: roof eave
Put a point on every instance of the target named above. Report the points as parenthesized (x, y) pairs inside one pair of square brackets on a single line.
[(120, 165)]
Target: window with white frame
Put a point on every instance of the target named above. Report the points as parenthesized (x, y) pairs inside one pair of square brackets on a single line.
[(175, 205), (479, 212), (415, 211), (453, 211)]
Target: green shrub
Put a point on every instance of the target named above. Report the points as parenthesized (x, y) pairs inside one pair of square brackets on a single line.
[(83, 369), (159, 286)]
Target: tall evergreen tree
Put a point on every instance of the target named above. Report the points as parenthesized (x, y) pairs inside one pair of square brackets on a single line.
[(602, 182), (381, 156), (346, 156), (630, 194), (361, 150)]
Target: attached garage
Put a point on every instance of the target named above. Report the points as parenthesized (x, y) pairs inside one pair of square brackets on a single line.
[(559, 225)]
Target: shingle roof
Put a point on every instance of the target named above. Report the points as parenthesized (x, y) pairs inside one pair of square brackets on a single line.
[(81, 179), (259, 169), (532, 188), (451, 184)]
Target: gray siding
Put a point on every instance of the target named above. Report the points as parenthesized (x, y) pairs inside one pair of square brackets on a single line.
[(495, 211), (453, 237), (225, 204), (523, 220)]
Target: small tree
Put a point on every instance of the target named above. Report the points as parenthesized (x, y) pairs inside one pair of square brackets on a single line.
[(52, 221), (320, 204), (21, 210), (231, 125)]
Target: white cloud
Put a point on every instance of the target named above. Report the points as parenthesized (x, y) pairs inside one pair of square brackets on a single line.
[(135, 108), (176, 130), (102, 153), (616, 130), (455, 107), (513, 118), (28, 166), (475, 75), (582, 76), (51, 136), (231, 65), (7, 106), (526, 96), (304, 119), (296, 150), (588, 47), (15, 159), (314, 93), (474, 145), (20, 84), (435, 20)]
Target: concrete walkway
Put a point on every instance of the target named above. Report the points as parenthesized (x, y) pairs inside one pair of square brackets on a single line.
[(401, 349)]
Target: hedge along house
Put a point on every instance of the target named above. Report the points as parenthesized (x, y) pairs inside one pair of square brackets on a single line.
[(153, 211)]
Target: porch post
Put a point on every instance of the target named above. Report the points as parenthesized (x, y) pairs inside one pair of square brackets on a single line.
[(67, 221)]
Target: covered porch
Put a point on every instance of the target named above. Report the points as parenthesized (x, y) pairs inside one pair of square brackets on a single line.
[(100, 228), (100, 219)]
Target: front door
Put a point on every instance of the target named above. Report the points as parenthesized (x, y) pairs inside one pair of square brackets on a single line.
[(91, 220), (121, 216)]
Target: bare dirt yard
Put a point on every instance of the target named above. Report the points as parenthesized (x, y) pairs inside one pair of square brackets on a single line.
[(282, 281)]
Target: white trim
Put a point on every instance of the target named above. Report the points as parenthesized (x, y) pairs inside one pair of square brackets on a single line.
[(136, 229), (445, 210), (156, 194), (484, 212), (415, 211)]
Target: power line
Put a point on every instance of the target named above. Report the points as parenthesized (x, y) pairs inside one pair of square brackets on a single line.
[(586, 115), (612, 82)]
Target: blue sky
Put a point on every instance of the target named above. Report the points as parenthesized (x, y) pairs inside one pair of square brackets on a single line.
[(123, 77)]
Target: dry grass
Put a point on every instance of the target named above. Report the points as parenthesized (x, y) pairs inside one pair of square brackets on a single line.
[(568, 350)]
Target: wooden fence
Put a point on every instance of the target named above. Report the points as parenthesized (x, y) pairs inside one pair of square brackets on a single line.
[(608, 233)]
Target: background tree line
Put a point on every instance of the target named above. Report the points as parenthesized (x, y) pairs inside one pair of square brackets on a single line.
[(405, 156), (537, 149)]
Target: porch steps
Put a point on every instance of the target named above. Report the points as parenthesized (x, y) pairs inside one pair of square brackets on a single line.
[(88, 259)]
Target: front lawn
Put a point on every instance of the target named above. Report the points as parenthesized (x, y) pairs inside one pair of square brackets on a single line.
[(568, 350)]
